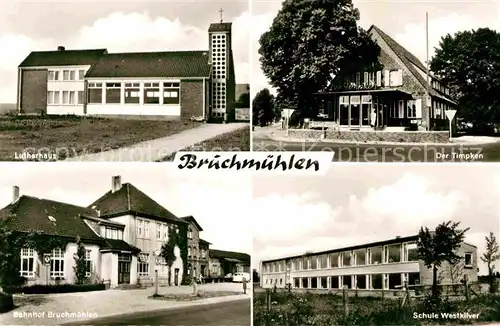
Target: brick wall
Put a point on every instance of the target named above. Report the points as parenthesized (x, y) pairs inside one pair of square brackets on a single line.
[(372, 136), (191, 98), (34, 91), (459, 270), (410, 83)]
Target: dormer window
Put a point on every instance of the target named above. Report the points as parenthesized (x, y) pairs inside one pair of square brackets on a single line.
[(112, 233)]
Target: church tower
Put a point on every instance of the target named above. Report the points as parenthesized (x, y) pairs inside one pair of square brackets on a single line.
[(222, 78)]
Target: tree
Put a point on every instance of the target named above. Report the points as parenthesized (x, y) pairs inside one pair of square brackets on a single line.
[(10, 259), (491, 255), (309, 44), (255, 275), (167, 250), (469, 62), (263, 107), (439, 246), (243, 101), (80, 262)]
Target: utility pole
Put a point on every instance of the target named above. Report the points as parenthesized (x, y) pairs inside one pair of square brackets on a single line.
[(428, 100)]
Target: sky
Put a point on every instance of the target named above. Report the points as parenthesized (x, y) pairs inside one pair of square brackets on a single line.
[(361, 203), (119, 26), (404, 20), (214, 200)]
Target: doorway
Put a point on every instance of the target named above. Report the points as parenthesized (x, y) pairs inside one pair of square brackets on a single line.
[(124, 268)]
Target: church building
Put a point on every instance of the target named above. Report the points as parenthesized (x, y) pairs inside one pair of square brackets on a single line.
[(166, 85)]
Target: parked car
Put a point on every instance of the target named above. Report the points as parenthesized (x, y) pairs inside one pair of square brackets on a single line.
[(238, 277)]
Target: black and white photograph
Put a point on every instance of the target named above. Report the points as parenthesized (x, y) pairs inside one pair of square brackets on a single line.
[(377, 81), (123, 244), (123, 81), (378, 244)]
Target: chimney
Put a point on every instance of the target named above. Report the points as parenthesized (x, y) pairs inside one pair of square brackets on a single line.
[(60, 48), (116, 183), (15, 194)]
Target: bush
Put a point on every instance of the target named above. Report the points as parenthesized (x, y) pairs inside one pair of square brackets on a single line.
[(61, 288), (6, 302)]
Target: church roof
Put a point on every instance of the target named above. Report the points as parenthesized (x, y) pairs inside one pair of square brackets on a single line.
[(220, 27), (62, 58), (174, 64)]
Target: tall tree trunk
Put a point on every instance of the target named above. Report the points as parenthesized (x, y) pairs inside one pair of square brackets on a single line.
[(491, 278), (434, 281)]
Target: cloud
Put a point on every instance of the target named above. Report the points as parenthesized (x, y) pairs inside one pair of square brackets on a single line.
[(70, 196), (413, 35), (282, 222), (260, 24), (122, 32), (410, 35), (294, 224), (406, 205), (13, 49), (220, 205)]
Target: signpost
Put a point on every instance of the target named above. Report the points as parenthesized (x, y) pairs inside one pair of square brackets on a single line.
[(450, 114), (287, 120)]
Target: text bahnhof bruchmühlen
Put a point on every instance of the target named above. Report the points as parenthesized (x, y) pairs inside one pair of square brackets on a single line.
[(271, 163)]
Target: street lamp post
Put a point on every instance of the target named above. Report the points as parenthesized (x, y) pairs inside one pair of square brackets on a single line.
[(287, 120)]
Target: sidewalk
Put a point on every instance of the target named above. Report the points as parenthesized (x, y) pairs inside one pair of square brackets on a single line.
[(275, 133), (157, 149), (55, 308)]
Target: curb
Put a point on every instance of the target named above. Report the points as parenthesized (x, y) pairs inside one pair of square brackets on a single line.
[(296, 140)]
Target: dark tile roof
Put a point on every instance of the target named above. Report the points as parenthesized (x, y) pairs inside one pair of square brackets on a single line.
[(103, 221), (222, 254), (118, 245), (366, 245), (220, 27), (191, 219), (181, 64), (32, 214), (205, 242), (62, 58), (130, 200), (410, 61)]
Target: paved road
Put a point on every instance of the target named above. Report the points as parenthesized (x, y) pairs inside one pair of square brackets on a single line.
[(219, 314), (388, 153)]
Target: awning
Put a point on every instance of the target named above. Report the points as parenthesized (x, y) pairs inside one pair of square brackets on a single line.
[(233, 260)]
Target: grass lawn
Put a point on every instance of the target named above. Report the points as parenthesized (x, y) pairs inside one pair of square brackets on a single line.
[(73, 136), (192, 296), (238, 140), (295, 309)]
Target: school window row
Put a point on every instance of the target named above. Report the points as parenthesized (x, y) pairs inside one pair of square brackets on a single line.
[(134, 93)]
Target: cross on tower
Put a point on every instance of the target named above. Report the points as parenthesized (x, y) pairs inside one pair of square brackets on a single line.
[(221, 11)]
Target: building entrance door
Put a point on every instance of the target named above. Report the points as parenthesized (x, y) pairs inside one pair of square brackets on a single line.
[(124, 268), (123, 272)]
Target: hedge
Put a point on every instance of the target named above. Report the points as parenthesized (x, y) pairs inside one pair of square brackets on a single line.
[(61, 288), (6, 302)]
